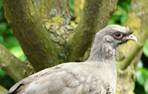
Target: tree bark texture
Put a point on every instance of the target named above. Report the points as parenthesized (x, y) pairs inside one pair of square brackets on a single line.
[(15, 68), (3, 90), (130, 53), (33, 37), (94, 17), (41, 51)]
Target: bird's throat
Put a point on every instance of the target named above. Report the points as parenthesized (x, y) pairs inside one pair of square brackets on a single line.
[(102, 52)]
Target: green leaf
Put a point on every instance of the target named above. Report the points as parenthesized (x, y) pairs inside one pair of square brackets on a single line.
[(3, 27), (145, 48), (12, 44), (1, 14), (2, 73), (146, 86), (17, 51), (142, 76), (125, 4), (1, 3), (71, 5), (1, 39), (119, 16)]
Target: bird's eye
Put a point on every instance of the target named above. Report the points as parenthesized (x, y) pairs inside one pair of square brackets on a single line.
[(118, 35)]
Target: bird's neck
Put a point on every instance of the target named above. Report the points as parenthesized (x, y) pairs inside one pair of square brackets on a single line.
[(102, 52)]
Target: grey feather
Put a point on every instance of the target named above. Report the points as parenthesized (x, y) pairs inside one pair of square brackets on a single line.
[(97, 75)]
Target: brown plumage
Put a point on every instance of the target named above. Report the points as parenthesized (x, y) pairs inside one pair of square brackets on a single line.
[(97, 75)]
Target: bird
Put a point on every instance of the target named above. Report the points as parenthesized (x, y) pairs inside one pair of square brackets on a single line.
[(96, 75)]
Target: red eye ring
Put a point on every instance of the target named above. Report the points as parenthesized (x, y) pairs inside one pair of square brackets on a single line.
[(118, 35)]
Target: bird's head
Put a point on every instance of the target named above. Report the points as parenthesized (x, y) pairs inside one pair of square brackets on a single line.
[(107, 39), (115, 35)]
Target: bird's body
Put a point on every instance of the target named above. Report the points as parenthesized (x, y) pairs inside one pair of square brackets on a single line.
[(97, 75), (71, 78)]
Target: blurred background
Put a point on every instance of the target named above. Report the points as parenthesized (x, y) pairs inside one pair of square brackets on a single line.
[(119, 16)]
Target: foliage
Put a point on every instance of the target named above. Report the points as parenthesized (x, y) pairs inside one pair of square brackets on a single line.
[(121, 14), (7, 38), (145, 49), (142, 79), (142, 73), (9, 41)]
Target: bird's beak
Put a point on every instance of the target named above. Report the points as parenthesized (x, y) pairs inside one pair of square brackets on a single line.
[(130, 37)]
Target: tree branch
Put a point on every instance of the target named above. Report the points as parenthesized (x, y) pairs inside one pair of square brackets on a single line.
[(12, 66), (94, 17), (3, 90), (131, 52), (23, 15), (138, 23)]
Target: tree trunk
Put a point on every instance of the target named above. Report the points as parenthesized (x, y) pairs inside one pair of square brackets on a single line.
[(95, 16), (38, 44), (28, 29)]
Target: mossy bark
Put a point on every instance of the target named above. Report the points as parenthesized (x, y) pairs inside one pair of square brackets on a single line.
[(15, 68), (130, 53), (37, 44), (95, 16), (3, 90), (33, 37)]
